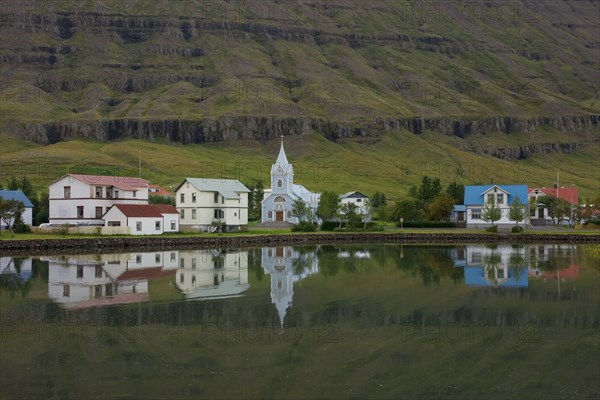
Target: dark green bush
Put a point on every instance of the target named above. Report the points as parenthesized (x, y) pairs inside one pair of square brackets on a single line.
[(493, 229), (329, 225), (517, 229), (427, 224), (304, 227)]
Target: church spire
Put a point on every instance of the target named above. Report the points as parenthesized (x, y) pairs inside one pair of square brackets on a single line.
[(281, 158)]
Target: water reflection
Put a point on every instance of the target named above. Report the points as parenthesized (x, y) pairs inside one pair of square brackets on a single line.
[(83, 281), (212, 274), (512, 265), (287, 265)]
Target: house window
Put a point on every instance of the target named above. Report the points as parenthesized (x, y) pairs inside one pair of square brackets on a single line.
[(172, 256), (476, 213), (67, 192), (181, 197), (116, 194), (98, 272), (134, 193), (476, 257), (157, 258), (80, 272), (216, 197), (66, 290), (219, 214), (359, 200), (99, 191), (270, 215), (138, 259), (108, 289), (98, 212), (181, 262), (79, 211), (279, 183), (114, 223), (194, 214), (490, 198), (182, 214), (500, 198), (157, 225), (193, 263), (193, 197), (172, 225), (239, 214), (138, 226)]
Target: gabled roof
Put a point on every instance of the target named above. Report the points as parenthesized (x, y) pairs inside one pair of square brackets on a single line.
[(145, 210), (566, 193), (353, 195), (156, 190), (228, 188), (473, 194), (306, 195), (16, 195), (121, 182)]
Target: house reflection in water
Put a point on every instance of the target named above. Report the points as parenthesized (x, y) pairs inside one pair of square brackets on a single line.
[(210, 274), (554, 261), (91, 280), (497, 265), (287, 265)]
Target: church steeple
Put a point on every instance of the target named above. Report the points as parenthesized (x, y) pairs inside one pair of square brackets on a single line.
[(282, 173)]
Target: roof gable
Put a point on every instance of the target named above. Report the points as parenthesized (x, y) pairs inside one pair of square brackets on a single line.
[(353, 195), (228, 188), (16, 195), (121, 182), (144, 210), (474, 193)]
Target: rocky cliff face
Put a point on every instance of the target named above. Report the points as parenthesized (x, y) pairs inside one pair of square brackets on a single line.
[(264, 128)]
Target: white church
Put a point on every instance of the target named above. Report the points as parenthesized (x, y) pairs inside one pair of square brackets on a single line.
[(278, 203)]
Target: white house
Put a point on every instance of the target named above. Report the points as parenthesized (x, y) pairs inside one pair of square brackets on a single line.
[(540, 215), (83, 199), (503, 195), (204, 203), (359, 200), (19, 196), (143, 219), (278, 202), (211, 274)]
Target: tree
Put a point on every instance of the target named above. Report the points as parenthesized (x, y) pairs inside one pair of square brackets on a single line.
[(299, 210), (491, 212), (328, 206), (457, 192), (257, 197), (350, 213), (27, 188), (558, 209), (13, 184), (516, 212), (406, 209), (440, 207), (378, 200), (367, 210), (41, 209), (9, 209), (429, 189)]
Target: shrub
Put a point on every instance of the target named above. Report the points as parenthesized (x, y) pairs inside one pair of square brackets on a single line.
[(517, 229), (427, 224), (304, 226), (493, 229), (329, 225)]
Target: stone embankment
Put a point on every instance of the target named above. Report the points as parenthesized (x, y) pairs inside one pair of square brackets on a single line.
[(79, 245)]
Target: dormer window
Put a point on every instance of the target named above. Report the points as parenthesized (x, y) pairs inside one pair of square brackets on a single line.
[(279, 183)]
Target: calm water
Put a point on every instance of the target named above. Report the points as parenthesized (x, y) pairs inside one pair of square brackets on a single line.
[(373, 321)]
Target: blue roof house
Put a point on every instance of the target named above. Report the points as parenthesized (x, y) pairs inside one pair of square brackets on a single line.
[(19, 196), (503, 195)]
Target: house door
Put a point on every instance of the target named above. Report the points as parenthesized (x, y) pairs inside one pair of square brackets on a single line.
[(461, 216), (278, 215)]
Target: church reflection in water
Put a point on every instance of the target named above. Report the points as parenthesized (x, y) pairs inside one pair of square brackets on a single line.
[(287, 265)]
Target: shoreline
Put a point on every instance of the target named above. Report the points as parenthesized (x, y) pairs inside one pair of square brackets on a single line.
[(145, 243)]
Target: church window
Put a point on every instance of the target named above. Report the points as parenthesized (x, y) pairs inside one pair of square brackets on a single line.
[(279, 199), (289, 214), (279, 183), (270, 214)]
